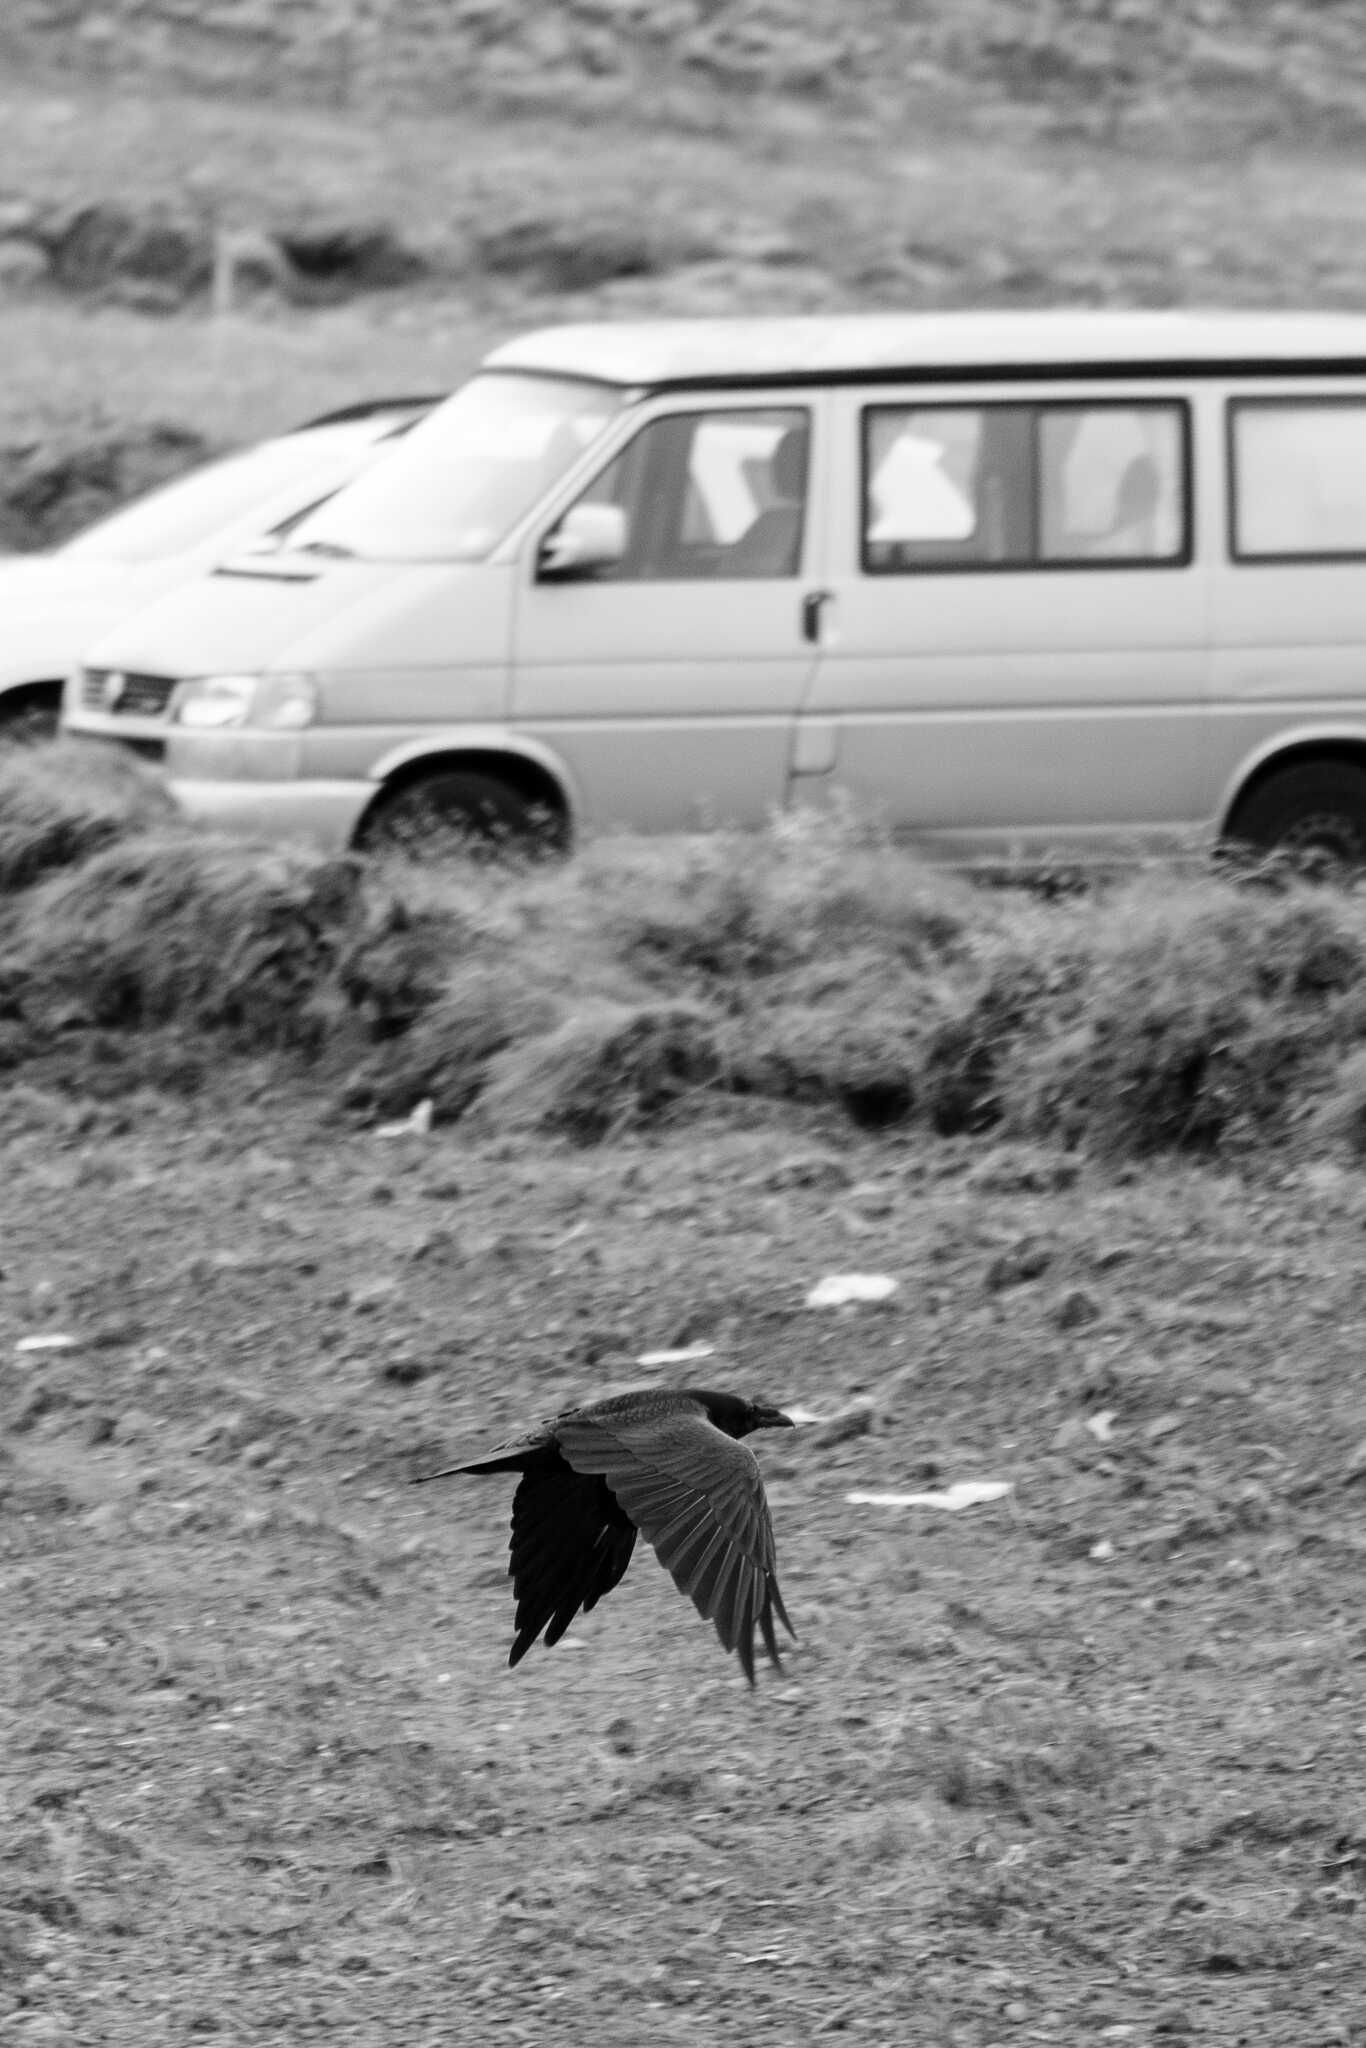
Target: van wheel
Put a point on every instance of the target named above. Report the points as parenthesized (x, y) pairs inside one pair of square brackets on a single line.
[(461, 814), (1314, 814)]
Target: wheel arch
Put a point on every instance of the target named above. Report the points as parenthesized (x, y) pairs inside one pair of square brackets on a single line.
[(531, 775), (30, 690), (1315, 744)]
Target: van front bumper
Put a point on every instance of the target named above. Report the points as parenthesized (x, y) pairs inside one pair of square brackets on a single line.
[(318, 813)]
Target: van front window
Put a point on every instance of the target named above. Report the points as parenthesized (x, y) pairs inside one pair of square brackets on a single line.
[(453, 487)]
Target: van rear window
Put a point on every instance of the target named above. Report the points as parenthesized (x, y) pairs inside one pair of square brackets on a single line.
[(1025, 486), (1299, 479)]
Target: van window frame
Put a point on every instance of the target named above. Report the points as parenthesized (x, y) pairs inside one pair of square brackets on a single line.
[(1252, 401), (672, 415), (1036, 564)]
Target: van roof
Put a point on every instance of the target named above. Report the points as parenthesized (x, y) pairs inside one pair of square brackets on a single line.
[(861, 347)]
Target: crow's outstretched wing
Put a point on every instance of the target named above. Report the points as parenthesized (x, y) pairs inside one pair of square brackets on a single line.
[(569, 1548), (698, 1496)]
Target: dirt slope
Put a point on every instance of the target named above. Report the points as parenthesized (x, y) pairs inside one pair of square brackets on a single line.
[(1288, 61)]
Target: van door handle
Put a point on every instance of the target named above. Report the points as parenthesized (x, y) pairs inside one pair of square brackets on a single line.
[(813, 604)]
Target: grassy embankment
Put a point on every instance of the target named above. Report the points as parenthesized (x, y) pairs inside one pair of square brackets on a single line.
[(643, 984)]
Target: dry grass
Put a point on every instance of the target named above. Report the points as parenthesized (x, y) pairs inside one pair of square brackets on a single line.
[(60, 804), (83, 371), (650, 982), (160, 931)]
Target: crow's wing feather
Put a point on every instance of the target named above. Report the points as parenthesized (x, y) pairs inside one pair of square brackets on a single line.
[(567, 1552), (514, 1454), (697, 1495)]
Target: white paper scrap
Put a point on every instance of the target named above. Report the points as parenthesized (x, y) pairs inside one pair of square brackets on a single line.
[(417, 1123), (966, 1493), (839, 1290), (684, 1355)]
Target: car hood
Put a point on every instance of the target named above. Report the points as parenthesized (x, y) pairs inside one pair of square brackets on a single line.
[(284, 611), (51, 609)]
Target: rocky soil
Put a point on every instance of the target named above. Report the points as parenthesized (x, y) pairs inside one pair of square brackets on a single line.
[(1080, 1764)]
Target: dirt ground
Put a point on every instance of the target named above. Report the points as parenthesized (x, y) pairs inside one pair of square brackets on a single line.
[(1079, 1765)]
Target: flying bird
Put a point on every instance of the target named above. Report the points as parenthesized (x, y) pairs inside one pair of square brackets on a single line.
[(666, 1463)]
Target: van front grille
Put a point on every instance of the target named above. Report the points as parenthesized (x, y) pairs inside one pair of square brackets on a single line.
[(126, 694)]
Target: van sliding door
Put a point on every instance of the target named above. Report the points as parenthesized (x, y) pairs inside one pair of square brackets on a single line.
[(1016, 636)]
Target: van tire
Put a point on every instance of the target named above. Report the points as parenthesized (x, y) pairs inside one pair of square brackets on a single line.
[(460, 814), (1315, 814)]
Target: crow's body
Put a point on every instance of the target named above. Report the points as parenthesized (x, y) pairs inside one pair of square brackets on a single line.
[(664, 1462)]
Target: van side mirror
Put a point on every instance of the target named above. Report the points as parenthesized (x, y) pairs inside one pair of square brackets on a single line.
[(588, 538)]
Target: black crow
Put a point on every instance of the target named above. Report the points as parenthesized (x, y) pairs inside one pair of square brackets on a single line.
[(665, 1461)]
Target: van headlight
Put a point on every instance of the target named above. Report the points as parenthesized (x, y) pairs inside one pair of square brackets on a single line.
[(275, 703)]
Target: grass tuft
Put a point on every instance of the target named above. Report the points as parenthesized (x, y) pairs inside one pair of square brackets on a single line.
[(1196, 1016), (806, 894), (166, 929), (61, 803), (485, 1007), (604, 1069)]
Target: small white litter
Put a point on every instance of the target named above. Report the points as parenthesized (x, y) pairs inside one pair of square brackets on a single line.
[(844, 1290), (1101, 1425), (416, 1124), (966, 1493), (685, 1354), (48, 1340), (860, 1407)]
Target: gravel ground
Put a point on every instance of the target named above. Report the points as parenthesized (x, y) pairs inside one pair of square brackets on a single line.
[(1081, 1764)]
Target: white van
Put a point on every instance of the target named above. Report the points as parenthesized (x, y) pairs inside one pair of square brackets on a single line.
[(1012, 582)]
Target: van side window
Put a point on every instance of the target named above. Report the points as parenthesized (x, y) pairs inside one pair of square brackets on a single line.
[(1023, 486), (1299, 478), (1111, 483), (946, 485), (711, 495)]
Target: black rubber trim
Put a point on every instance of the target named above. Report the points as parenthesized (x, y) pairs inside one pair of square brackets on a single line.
[(1156, 369)]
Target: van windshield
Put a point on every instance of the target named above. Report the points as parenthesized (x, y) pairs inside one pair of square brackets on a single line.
[(464, 476)]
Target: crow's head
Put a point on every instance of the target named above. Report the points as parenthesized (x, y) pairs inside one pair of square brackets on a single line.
[(736, 1417)]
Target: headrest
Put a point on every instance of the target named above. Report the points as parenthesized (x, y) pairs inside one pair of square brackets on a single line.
[(1139, 490), (787, 464)]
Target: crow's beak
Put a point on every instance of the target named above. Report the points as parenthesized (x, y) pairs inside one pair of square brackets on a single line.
[(773, 1418)]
